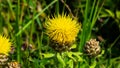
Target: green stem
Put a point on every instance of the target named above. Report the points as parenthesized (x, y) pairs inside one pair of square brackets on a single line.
[(35, 17), (110, 49), (83, 34), (93, 6), (57, 7), (32, 25), (17, 29)]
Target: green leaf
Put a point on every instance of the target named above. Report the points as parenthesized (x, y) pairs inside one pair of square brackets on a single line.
[(77, 54), (118, 66), (110, 12), (49, 55), (60, 59), (69, 54), (100, 55), (70, 63), (118, 14), (103, 14), (93, 64), (73, 56), (73, 46)]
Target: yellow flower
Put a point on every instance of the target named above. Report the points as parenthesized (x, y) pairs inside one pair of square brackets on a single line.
[(5, 45), (62, 29)]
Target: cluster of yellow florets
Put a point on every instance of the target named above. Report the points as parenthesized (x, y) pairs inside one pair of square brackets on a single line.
[(62, 29), (5, 45)]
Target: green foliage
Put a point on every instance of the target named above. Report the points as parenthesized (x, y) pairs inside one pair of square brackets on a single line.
[(23, 22), (90, 19), (115, 16)]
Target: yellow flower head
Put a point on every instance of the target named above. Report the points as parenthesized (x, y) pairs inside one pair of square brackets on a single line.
[(62, 29), (5, 45)]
